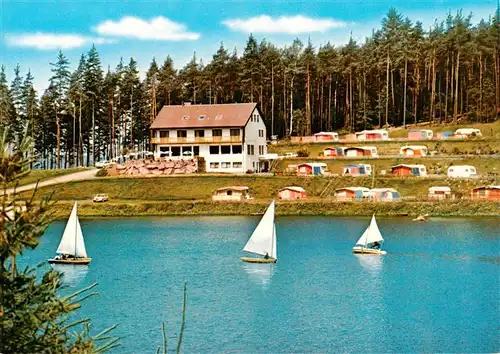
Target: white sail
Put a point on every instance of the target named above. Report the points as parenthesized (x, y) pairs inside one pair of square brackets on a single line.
[(372, 234), (72, 240), (263, 239)]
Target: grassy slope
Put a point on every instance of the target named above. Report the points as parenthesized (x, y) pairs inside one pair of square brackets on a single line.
[(490, 144), (483, 165), (202, 187)]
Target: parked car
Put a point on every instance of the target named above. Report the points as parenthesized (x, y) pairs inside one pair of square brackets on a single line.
[(290, 154), (100, 198)]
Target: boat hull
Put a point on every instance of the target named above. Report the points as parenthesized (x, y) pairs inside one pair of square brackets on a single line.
[(70, 261), (258, 260), (368, 251)]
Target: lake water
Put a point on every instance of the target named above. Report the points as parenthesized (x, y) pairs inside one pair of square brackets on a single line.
[(436, 290)]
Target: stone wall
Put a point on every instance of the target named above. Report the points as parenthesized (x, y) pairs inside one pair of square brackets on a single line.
[(151, 167)]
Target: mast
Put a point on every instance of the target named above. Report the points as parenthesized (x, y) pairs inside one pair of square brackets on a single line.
[(76, 228)]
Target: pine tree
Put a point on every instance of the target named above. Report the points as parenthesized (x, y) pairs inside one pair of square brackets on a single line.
[(7, 110)]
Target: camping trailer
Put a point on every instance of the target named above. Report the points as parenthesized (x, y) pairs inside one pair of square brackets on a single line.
[(351, 193), (487, 192), (333, 151), (462, 171), (467, 132), (311, 169), (292, 193), (439, 193), (413, 151), (368, 135), (361, 151), (420, 134), (409, 170), (357, 170), (326, 136), (384, 194)]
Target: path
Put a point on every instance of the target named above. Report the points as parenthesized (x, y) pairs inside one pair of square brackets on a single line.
[(77, 176)]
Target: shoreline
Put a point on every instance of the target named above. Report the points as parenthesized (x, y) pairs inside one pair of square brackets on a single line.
[(461, 208)]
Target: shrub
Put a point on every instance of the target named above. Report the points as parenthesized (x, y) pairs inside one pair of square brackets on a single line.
[(303, 153), (103, 172)]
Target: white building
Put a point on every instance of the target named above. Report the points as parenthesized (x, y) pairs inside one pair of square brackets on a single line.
[(230, 137)]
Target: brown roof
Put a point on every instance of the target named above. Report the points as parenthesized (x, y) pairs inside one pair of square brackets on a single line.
[(216, 115)]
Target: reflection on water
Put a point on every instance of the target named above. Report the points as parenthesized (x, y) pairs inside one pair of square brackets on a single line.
[(259, 273), (372, 263), (73, 274)]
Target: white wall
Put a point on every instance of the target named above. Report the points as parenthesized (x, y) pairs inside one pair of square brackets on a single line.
[(252, 138)]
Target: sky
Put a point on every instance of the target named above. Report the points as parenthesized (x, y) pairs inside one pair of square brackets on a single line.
[(33, 31)]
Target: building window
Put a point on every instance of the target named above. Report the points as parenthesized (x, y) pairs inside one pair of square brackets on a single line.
[(214, 165), (234, 132), (225, 149), (217, 133), (214, 149), (164, 133), (250, 149), (225, 164), (261, 133), (237, 149), (261, 150), (202, 117), (176, 151), (196, 150), (185, 118), (237, 165), (187, 151), (199, 133), (182, 133)]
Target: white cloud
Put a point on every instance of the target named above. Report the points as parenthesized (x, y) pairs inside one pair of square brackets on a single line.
[(284, 24), (158, 28), (51, 41)]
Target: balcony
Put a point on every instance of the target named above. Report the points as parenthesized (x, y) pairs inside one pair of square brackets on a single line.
[(198, 140)]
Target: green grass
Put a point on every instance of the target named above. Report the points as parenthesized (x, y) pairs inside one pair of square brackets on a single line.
[(124, 209), (262, 188), (484, 166), (490, 143), (40, 175)]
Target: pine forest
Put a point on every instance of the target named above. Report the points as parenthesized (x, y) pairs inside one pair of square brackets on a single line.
[(402, 74)]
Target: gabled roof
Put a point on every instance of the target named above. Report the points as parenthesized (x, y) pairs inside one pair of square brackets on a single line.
[(353, 189), (381, 131), (204, 115), (487, 187), (413, 147), (293, 188), (233, 188), (439, 189), (409, 166), (321, 164), (327, 133), (383, 190)]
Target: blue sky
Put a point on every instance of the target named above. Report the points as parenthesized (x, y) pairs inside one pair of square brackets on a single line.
[(33, 30)]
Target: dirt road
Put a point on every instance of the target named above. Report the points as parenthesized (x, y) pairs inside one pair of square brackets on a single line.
[(77, 176)]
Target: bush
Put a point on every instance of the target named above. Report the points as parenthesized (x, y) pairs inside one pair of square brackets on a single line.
[(303, 153), (103, 172)]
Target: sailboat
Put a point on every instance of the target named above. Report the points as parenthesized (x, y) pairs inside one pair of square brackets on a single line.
[(71, 249), (263, 239), (370, 241)]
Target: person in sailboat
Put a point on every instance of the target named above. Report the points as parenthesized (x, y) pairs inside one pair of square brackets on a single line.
[(376, 245), (266, 256)]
